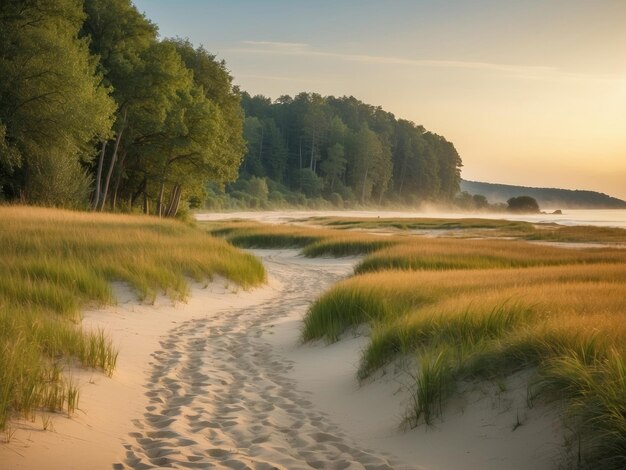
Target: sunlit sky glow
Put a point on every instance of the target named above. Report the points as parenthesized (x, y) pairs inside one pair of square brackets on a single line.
[(531, 92)]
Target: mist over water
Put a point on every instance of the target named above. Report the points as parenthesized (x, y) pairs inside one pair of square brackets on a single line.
[(598, 217)]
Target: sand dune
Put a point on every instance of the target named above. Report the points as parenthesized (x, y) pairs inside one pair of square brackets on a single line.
[(222, 382)]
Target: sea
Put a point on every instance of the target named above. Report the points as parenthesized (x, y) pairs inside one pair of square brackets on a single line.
[(598, 217)]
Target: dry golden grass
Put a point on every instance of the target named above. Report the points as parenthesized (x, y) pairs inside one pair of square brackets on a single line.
[(446, 253), (421, 223), (477, 227), (568, 321), (315, 242), (483, 308), (53, 262)]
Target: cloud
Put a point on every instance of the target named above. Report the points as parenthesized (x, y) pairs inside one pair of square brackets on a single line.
[(519, 71), (279, 78), (276, 45)]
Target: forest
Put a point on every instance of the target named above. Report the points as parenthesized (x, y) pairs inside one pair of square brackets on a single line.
[(97, 111), (342, 150)]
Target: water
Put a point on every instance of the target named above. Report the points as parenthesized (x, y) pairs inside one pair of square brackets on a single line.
[(598, 217)]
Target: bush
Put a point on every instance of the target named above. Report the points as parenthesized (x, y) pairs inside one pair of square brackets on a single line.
[(344, 191), (240, 195), (298, 199), (308, 182), (276, 196), (60, 182), (523, 204), (257, 187), (336, 200)]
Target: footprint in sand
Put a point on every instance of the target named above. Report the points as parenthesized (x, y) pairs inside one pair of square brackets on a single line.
[(218, 395)]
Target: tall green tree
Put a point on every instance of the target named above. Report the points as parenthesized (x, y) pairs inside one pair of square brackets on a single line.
[(217, 85), (361, 151), (334, 166), (120, 36), (53, 106)]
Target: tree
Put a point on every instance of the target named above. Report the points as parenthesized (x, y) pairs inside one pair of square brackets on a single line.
[(255, 136), (523, 204), (366, 153), (217, 84), (315, 128), (480, 201), (308, 182), (257, 187), (334, 166), (357, 148), (119, 35), (158, 119), (53, 106)]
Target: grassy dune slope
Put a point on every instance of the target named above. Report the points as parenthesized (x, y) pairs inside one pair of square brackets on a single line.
[(53, 262), (315, 242), (483, 309)]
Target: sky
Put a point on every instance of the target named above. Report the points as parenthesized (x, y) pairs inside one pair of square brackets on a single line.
[(530, 92)]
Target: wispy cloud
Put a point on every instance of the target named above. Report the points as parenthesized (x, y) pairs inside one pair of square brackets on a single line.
[(520, 71), (276, 45), (278, 78)]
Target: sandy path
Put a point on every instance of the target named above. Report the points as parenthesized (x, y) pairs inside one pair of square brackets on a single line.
[(219, 395), (222, 381)]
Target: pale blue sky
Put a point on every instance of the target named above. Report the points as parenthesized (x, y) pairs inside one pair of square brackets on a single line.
[(531, 92)]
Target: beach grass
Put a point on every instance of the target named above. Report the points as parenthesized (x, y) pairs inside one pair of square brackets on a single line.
[(476, 324), (481, 309), (478, 227), (421, 223), (446, 253), (314, 242), (55, 262), (580, 234)]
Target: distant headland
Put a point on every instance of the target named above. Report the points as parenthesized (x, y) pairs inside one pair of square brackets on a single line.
[(546, 197)]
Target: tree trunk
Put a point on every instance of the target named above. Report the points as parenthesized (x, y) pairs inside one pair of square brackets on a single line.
[(112, 164), (146, 204), (141, 189), (118, 180), (312, 152), (363, 187), (176, 202), (301, 153), (96, 198), (172, 206), (261, 146), (160, 200)]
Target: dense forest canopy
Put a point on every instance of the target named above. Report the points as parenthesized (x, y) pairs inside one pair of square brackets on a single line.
[(342, 147), (96, 110)]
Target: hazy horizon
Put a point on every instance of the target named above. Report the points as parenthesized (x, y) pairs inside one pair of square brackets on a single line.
[(531, 93)]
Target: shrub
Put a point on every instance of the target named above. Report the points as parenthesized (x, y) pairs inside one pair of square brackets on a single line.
[(336, 200), (523, 204), (257, 187)]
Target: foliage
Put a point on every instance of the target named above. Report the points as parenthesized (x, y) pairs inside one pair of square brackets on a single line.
[(524, 204), (53, 106), (357, 151), (90, 78)]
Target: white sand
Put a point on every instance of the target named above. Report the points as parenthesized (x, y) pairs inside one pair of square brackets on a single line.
[(222, 382)]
